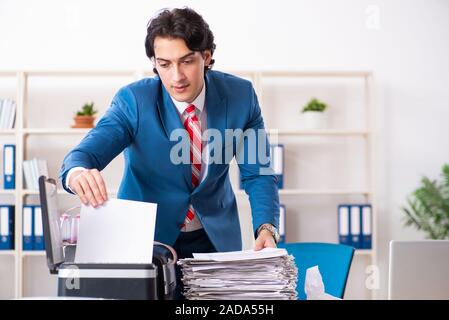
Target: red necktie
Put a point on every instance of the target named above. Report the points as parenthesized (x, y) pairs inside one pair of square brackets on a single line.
[(193, 127)]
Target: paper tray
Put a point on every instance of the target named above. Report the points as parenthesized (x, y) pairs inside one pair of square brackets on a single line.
[(108, 281)]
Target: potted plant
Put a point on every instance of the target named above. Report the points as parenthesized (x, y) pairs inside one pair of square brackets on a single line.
[(85, 117), (428, 207), (313, 113)]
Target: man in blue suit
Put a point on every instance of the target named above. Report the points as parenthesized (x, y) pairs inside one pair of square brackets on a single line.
[(151, 119)]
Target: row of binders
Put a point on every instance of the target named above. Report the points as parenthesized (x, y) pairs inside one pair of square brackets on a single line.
[(355, 225), (276, 163), (7, 113), (33, 232)]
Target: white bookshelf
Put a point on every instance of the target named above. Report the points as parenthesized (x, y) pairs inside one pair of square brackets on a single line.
[(6, 132), (58, 131), (7, 192), (23, 132), (20, 136), (311, 192), (60, 192), (341, 133), (39, 253), (7, 252), (364, 252), (296, 139)]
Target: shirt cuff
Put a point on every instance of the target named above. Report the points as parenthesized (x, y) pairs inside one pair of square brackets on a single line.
[(67, 179)]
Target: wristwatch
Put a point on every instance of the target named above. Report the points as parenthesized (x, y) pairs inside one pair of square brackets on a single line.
[(273, 230)]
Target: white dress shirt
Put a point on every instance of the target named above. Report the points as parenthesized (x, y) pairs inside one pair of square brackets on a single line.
[(201, 114)]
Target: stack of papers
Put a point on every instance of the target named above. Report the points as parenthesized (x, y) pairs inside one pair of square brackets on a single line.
[(244, 275)]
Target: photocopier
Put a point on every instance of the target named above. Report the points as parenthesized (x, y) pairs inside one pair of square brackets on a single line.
[(152, 281)]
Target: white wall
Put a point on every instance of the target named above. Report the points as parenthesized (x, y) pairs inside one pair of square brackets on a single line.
[(405, 43)]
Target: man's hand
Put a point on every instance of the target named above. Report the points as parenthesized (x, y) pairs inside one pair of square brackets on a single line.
[(264, 240), (89, 186)]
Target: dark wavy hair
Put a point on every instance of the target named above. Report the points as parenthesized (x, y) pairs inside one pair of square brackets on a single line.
[(182, 23)]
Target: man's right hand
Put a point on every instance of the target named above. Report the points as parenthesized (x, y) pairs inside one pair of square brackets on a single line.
[(89, 185)]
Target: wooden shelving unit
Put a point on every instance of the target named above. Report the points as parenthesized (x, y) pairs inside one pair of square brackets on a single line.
[(22, 132)]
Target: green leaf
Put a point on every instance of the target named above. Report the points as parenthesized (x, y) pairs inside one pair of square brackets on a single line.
[(87, 110), (314, 105)]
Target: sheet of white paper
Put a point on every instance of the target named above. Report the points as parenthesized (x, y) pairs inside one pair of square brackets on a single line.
[(120, 231), (241, 255)]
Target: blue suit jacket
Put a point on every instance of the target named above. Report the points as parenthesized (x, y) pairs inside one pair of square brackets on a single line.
[(140, 121)]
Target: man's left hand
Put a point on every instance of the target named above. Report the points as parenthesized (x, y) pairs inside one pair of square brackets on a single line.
[(264, 240)]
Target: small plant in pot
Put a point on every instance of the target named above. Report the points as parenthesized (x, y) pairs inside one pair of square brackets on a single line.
[(85, 117), (313, 112)]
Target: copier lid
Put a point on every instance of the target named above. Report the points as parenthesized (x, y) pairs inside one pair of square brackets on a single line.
[(51, 223)]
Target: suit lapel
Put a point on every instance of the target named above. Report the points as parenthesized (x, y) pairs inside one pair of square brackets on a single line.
[(167, 111), (216, 115), (171, 121)]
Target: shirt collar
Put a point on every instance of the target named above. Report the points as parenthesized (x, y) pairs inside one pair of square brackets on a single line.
[(198, 102)]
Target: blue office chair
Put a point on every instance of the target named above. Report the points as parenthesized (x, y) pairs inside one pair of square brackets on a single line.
[(333, 261)]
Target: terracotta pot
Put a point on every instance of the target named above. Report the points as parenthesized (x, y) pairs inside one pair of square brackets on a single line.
[(83, 122)]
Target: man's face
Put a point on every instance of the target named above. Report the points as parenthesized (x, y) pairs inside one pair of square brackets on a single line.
[(180, 69)]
